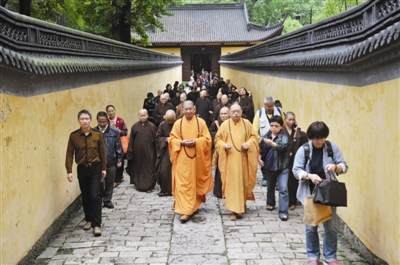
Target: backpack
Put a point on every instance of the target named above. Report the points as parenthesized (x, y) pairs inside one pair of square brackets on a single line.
[(260, 112), (307, 151)]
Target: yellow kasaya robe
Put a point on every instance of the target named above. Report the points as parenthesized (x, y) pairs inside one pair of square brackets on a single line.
[(191, 177), (238, 169)]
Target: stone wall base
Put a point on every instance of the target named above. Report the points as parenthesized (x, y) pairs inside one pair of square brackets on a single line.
[(356, 243), (50, 232)]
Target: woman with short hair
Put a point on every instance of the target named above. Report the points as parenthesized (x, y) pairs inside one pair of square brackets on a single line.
[(323, 159)]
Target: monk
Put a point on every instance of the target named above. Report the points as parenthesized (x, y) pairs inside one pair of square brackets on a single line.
[(204, 107), (179, 111), (189, 147), (161, 109), (163, 162), (141, 154), (224, 103), (236, 144), (223, 116)]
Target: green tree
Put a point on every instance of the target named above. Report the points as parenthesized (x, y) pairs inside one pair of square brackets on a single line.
[(110, 18), (291, 25), (270, 12), (333, 7)]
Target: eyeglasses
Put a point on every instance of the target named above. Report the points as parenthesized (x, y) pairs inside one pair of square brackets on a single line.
[(273, 125), (269, 107)]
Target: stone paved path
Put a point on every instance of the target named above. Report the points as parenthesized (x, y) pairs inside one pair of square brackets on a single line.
[(143, 229)]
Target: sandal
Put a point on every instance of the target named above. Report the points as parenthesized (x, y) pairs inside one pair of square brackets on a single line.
[(269, 207), (184, 218), (233, 217)]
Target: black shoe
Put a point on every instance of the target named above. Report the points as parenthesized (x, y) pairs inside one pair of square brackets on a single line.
[(161, 194), (109, 205)]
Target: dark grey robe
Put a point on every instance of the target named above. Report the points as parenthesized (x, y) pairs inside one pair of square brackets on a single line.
[(163, 163), (247, 107), (203, 108), (160, 110), (217, 191), (141, 156)]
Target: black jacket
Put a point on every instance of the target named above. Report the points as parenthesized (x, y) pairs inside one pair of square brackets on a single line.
[(280, 152), (112, 142)]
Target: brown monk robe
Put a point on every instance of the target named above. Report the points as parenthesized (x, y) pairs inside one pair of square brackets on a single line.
[(216, 101), (204, 107), (179, 110), (236, 144), (223, 116), (141, 154), (163, 163), (246, 103), (296, 139), (224, 103), (161, 109), (190, 152)]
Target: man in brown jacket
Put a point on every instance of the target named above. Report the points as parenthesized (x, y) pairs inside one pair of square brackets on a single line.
[(88, 147)]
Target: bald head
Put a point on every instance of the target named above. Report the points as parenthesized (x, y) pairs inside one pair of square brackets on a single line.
[(188, 103), (163, 98), (203, 93), (183, 97), (236, 112), (143, 111), (224, 113), (188, 109), (143, 115), (169, 113), (224, 99), (170, 116)]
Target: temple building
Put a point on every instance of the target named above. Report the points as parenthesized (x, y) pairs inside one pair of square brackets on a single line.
[(201, 33)]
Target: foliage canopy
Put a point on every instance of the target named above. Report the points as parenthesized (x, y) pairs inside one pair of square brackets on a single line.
[(118, 18)]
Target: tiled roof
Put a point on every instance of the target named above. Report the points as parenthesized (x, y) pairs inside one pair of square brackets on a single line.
[(211, 23)]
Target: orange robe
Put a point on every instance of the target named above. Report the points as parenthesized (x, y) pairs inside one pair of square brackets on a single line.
[(238, 169), (191, 177)]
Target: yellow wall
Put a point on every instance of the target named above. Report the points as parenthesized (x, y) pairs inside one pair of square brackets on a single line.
[(34, 136), (226, 50), (364, 122), (174, 51)]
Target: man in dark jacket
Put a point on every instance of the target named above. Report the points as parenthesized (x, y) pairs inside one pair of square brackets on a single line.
[(114, 154)]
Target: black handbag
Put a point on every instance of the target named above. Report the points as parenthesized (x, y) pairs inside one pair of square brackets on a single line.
[(332, 193)]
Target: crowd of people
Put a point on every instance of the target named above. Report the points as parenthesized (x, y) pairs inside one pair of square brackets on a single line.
[(182, 133)]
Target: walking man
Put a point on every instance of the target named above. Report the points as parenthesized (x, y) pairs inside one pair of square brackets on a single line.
[(163, 162), (236, 144), (87, 145), (114, 154), (223, 116), (189, 147), (141, 153)]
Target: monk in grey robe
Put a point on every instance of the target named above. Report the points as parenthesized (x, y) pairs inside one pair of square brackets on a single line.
[(161, 109), (223, 116), (141, 154), (163, 163)]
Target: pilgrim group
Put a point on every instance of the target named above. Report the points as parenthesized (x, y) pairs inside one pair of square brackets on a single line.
[(184, 133)]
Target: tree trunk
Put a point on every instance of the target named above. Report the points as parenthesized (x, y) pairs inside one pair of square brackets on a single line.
[(3, 3), (25, 7), (121, 28)]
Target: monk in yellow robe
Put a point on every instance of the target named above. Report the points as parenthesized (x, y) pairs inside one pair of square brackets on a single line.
[(189, 147), (237, 146)]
